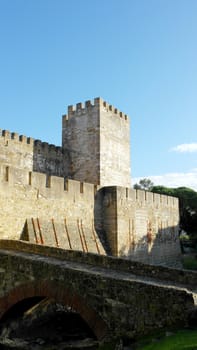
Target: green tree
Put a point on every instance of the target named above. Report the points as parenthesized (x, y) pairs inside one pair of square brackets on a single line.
[(144, 184), (187, 205)]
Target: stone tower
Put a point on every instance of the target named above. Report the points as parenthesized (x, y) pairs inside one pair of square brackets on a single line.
[(96, 144)]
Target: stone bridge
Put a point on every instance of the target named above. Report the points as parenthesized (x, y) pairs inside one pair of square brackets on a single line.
[(116, 297)]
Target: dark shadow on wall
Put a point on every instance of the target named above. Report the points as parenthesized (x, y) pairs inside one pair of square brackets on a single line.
[(48, 159), (99, 219), (161, 248), (151, 248), (53, 160)]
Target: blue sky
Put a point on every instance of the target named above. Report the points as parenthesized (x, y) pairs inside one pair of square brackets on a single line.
[(138, 55)]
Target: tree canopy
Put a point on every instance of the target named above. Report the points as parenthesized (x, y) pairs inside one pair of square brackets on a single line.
[(144, 184), (187, 205)]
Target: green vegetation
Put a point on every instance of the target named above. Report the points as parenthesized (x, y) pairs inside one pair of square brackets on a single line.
[(181, 340), (185, 339), (109, 346), (144, 184), (190, 262), (187, 205)]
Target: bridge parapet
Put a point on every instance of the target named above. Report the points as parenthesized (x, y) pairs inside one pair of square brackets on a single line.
[(113, 303), (162, 273)]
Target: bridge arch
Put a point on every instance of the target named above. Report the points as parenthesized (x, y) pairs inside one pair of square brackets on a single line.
[(61, 295)]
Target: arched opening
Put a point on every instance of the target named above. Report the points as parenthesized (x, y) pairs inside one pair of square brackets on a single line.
[(50, 315), (40, 321), (20, 308)]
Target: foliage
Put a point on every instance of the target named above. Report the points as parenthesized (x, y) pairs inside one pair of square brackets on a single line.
[(184, 236), (185, 339), (187, 204), (190, 262), (144, 184)]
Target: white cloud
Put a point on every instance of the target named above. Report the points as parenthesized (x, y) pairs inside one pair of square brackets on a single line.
[(173, 179), (185, 148)]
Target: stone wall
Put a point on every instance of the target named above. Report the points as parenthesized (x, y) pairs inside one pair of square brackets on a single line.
[(115, 168), (26, 153), (181, 277), (35, 205), (95, 147), (72, 215), (96, 143), (113, 303), (35, 197), (80, 140), (48, 159), (16, 150), (141, 225)]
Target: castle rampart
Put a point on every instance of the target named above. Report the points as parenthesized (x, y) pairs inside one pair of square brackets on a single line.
[(78, 196), (59, 207), (52, 186), (26, 153), (141, 225)]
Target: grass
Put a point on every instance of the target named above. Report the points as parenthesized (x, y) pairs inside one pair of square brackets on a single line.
[(178, 340), (181, 340), (190, 263)]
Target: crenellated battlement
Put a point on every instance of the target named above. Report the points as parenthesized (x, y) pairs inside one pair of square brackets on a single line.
[(82, 106), (47, 147), (7, 135), (110, 108), (27, 153), (147, 198), (82, 189), (91, 132), (98, 103), (48, 186)]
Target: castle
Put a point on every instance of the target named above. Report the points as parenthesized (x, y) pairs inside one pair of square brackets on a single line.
[(79, 196)]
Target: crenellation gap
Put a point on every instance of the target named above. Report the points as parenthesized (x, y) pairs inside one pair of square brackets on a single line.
[(30, 140), (88, 104), (65, 184), (48, 181), (6, 133), (81, 187), (22, 138), (14, 136), (79, 106)]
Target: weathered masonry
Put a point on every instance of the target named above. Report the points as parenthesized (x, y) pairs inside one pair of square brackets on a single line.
[(78, 196), (116, 297)]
